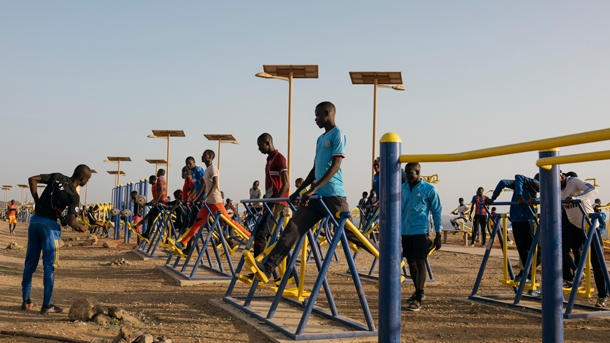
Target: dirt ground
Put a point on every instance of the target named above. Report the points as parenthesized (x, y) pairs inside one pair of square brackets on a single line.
[(184, 314)]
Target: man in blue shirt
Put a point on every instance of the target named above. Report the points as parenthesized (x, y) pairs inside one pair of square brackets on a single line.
[(330, 151), (521, 215), (419, 199), (197, 174)]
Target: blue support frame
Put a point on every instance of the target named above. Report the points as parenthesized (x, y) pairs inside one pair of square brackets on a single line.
[(363, 330), (592, 238)]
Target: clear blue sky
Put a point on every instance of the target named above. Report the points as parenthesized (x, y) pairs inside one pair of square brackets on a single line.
[(82, 80)]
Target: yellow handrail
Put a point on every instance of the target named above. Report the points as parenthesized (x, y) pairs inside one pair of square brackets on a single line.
[(548, 162), (542, 144)]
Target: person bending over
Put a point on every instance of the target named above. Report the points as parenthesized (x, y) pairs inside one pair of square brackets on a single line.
[(521, 216), (44, 230), (419, 200), (330, 151)]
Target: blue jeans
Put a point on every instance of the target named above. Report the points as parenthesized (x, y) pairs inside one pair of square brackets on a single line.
[(43, 235)]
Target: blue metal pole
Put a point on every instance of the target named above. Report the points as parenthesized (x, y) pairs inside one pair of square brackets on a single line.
[(390, 256), (550, 232)]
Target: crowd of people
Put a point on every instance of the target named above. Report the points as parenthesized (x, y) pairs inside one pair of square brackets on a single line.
[(421, 209)]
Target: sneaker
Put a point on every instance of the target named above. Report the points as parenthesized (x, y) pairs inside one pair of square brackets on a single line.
[(601, 302), (414, 306), (567, 284), (483, 245), (413, 297), (27, 305), (46, 309), (472, 245), (534, 293)]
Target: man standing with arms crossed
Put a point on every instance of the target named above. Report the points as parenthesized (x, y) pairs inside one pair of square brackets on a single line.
[(44, 230), (276, 186)]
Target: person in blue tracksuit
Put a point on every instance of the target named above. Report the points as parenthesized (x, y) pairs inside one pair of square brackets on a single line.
[(521, 215), (419, 199), (44, 230)]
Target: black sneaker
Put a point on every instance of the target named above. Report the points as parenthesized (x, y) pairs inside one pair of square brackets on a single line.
[(27, 305), (413, 297), (414, 306), (47, 309), (567, 284)]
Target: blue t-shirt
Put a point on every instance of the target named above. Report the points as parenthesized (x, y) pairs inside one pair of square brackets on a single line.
[(330, 144), (197, 174)]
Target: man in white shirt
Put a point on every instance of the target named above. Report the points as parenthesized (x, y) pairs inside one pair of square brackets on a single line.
[(573, 236), (461, 215)]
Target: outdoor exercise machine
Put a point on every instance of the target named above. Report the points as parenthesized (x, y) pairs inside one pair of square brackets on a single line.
[(123, 205), (550, 221), (530, 267), (210, 235), (305, 299)]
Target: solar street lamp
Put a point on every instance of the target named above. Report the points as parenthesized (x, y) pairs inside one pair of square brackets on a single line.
[(288, 73), (379, 80)]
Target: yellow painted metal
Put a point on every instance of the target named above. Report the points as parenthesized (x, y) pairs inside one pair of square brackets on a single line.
[(390, 137), (542, 144), (548, 162), (505, 251)]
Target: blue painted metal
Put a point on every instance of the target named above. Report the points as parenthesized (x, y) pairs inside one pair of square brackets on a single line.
[(496, 298), (390, 256), (321, 282), (550, 231)]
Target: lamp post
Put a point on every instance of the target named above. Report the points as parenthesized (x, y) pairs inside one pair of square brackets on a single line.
[(6, 189), (288, 73), (158, 163), (166, 134), (93, 171), (118, 160), (23, 187), (116, 175), (221, 139), (378, 80)]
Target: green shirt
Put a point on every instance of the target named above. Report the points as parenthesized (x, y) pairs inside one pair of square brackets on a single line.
[(303, 191)]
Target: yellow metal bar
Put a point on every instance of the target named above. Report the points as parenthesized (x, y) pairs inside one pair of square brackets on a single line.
[(548, 162), (303, 263), (362, 238), (542, 144)]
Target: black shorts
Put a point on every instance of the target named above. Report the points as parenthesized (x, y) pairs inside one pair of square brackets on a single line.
[(415, 246)]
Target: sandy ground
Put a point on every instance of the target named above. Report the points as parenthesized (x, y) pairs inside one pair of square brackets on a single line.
[(184, 314)]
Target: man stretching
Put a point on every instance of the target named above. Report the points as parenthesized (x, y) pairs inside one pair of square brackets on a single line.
[(419, 200), (330, 151), (521, 216), (276, 186), (11, 210), (44, 230), (213, 199)]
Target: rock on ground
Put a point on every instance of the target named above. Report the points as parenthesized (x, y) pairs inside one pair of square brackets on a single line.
[(84, 309), (116, 312)]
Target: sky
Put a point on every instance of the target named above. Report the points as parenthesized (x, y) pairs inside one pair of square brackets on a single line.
[(83, 80)]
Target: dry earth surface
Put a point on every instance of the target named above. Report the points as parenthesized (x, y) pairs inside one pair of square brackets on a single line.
[(184, 314)]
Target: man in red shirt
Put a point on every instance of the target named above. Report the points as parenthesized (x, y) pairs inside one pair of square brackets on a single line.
[(159, 196), (188, 183), (276, 186)]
